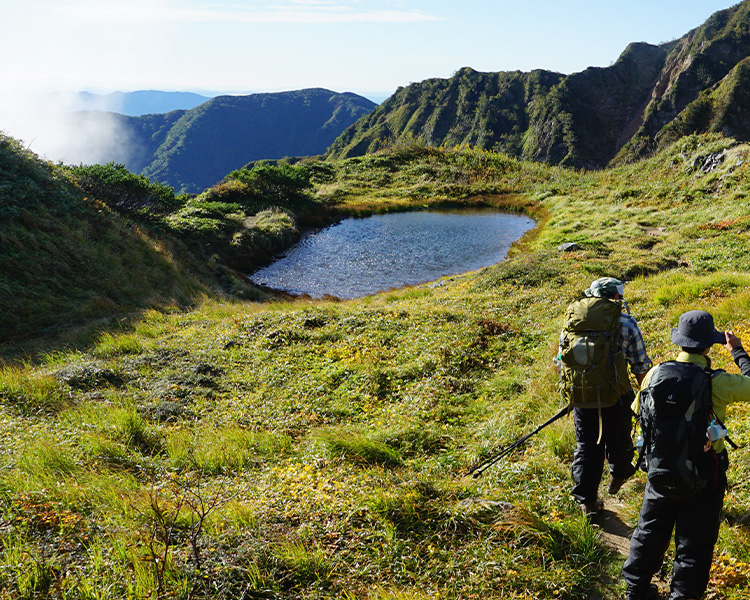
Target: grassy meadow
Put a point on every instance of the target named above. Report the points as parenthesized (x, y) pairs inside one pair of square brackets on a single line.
[(316, 449)]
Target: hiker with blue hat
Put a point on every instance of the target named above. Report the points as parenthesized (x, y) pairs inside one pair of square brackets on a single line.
[(599, 343), (682, 405)]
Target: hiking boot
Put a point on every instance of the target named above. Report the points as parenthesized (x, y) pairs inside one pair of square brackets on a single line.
[(591, 509), (615, 483), (652, 593)]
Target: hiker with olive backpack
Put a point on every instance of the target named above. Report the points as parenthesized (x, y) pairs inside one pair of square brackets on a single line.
[(598, 344), (682, 404)]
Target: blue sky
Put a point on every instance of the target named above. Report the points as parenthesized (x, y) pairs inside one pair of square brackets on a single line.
[(365, 46)]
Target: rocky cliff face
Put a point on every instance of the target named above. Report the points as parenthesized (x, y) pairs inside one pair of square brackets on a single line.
[(702, 85), (649, 97)]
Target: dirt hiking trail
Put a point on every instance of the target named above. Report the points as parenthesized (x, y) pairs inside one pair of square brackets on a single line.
[(615, 532)]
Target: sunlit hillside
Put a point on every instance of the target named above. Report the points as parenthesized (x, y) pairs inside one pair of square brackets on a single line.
[(246, 448)]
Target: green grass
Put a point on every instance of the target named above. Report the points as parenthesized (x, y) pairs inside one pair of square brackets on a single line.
[(315, 449), (30, 394), (359, 448)]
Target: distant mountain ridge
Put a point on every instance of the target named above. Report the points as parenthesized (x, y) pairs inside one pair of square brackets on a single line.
[(133, 104), (191, 150), (652, 95)]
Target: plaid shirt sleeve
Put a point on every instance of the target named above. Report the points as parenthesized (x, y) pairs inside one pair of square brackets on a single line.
[(631, 342)]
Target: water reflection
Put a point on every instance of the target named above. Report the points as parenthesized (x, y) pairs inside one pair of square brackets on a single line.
[(357, 257)]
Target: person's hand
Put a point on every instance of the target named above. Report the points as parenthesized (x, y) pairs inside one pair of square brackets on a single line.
[(732, 341)]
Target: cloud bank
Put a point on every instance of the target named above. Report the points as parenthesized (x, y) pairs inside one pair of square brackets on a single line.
[(53, 127)]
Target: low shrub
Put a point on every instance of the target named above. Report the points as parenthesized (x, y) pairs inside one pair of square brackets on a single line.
[(134, 195), (358, 447)]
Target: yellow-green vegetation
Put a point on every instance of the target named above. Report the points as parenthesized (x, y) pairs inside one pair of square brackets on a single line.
[(315, 449), (85, 249), (64, 257)]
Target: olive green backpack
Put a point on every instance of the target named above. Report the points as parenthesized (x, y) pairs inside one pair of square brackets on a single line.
[(593, 370)]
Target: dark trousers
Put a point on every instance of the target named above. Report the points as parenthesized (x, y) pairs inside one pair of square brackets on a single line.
[(616, 445), (695, 522)]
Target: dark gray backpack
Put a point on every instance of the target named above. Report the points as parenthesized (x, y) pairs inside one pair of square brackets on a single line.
[(676, 410)]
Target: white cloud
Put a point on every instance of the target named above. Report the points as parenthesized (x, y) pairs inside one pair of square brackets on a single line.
[(47, 125)]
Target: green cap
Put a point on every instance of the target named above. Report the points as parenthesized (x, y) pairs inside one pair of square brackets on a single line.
[(605, 286)]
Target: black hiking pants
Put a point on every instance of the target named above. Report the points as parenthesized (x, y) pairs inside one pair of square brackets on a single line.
[(616, 445), (695, 521)]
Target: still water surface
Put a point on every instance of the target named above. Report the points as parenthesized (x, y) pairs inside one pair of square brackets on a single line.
[(357, 257)]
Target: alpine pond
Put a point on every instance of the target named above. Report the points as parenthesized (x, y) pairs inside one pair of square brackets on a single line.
[(361, 256)]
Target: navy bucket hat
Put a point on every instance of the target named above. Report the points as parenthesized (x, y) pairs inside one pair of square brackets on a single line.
[(696, 330)]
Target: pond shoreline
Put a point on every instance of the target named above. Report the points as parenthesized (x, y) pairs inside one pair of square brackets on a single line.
[(511, 203), (360, 256)]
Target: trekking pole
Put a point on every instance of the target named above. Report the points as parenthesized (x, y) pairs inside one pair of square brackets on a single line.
[(726, 437), (477, 470)]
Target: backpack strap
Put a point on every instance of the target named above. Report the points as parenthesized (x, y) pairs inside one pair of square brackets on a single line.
[(641, 450), (646, 433)]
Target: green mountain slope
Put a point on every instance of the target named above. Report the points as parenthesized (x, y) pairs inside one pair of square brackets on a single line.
[(145, 134), (66, 260), (194, 149), (576, 120), (648, 98), (85, 249), (488, 110)]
